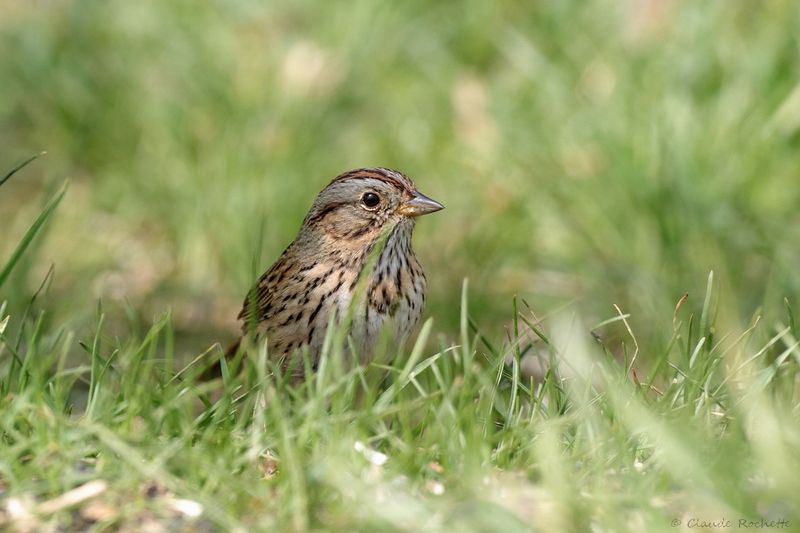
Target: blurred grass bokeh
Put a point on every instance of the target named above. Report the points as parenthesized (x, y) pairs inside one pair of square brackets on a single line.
[(604, 152)]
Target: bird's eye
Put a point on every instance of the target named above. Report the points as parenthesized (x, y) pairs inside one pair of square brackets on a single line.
[(370, 200)]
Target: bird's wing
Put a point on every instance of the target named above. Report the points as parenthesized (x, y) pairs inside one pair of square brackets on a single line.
[(258, 305)]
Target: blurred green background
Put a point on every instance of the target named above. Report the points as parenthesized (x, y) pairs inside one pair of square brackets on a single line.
[(588, 153)]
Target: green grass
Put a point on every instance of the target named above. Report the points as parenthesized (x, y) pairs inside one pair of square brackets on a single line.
[(455, 439), (597, 159)]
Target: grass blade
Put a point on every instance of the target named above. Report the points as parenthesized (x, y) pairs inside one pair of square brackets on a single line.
[(27, 239), (20, 167)]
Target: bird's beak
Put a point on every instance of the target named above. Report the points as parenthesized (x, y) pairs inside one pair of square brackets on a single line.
[(419, 205)]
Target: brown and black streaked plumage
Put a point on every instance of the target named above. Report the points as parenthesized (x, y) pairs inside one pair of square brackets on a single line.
[(291, 304)]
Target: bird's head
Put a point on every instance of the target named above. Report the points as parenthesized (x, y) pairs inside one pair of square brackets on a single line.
[(358, 205)]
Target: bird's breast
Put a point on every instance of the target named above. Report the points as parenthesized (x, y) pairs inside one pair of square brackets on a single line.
[(392, 299)]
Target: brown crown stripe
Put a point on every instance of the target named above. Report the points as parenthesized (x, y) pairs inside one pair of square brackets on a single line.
[(387, 175)]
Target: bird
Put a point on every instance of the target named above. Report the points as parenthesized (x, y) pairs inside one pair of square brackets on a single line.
[(363, 219)]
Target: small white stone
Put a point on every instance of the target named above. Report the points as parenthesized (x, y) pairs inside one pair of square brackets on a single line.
[(436, 488), (16, 508), (375, 457), (189, 508)]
